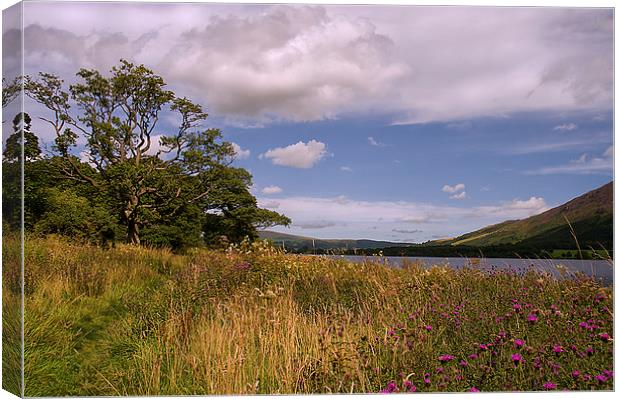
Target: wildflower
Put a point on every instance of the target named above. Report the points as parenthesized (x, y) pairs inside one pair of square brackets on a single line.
[(474, 389), (427, 378), (391, 387), (589, 351), (519, 343), (502, 334), (604, 337), (583, 324), (532, 318), (516, 358), (608, 373), (516, 307), (575, 373), (587, 377), (483, 347), (463, 363), (439, 370), (242, 266), (429, 328), (549, 385), (410, 387), (445, 358), (473, 356), (558, 349), (601, 378)]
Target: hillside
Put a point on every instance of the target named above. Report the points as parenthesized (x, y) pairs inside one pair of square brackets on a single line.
[(590, 215), (300, 243)]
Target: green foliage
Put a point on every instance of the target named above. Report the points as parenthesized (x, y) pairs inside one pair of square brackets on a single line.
[(67, 213)]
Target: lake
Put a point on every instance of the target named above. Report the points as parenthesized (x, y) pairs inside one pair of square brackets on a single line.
[(600, 269)]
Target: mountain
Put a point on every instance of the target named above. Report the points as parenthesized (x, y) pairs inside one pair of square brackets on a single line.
[(300, 243), (590, 215)]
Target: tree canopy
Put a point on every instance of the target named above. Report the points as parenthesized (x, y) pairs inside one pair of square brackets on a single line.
[(168, 186)]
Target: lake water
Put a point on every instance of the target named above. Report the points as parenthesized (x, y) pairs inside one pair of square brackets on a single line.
[(600, 269)]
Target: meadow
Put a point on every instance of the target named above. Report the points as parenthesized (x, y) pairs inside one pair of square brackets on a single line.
[(252, 319)]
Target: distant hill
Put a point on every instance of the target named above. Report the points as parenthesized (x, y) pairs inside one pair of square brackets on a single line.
[(300, 243), (590, 215)]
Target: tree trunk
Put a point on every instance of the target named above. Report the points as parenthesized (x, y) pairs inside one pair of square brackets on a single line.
[(133, 233)]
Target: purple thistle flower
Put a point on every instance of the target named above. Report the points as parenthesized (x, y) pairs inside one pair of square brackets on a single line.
[(590, 351), (474, 389), (601, 378), (516, 307), (558, 349), (519, 343), (608, 373), (391, 387), (516, 358), (429, 328), (410, 387), (583, 324), (463, 363), (483, 347), (445, 358), (587, 377), (532, 318), (604, 337), (473, 356), (549, 385), (575, 373), (502, 334)]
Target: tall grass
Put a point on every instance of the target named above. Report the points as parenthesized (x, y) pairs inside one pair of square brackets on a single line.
[(136, 321)]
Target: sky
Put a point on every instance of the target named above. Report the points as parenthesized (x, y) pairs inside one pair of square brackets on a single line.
[(398, 123)]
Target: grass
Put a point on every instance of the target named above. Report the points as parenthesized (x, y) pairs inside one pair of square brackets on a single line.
[(137, 321)]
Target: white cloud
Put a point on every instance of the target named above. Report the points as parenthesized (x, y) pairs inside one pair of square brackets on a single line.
[(306, 63), (271, 190), (346, 169), (453, 189), (373, 142), (240, 153), (460, 196), (583, 165), (270, 204), (300, 155), (351, 217), (566, 126)]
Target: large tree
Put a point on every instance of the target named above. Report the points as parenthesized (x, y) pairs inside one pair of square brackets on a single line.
[(151, 174)]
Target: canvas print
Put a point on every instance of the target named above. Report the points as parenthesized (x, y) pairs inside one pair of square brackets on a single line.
[(227, 199)]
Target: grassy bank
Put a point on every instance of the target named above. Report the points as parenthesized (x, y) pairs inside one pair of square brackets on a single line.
[(135, 321)]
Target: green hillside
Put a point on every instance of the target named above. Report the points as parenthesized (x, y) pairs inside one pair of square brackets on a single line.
[(590, 215), (300, 243)]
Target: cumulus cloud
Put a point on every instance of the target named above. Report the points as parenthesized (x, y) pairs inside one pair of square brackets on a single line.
[(240, 153), (373, 142), (584, 165), (453, 189), (308, 63), (346, 169), (459, 196), (515, 209), (566, 126), (271, 190), (300, 155)]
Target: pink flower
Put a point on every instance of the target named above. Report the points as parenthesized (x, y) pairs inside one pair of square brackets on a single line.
[(601, 378), (517, 358), (473, 356), (532, 318), (583, 324), (410, 387), (516, 307), (429, 328), (474, 389), (558, 349), (519, 343), (463, 363), (604, 337), (549, 385), (483, 347), (575, 373), (445, 358)]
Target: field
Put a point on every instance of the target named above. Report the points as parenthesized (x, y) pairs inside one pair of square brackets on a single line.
[(137, 321)]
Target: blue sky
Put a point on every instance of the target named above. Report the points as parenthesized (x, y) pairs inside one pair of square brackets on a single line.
[(394, 123)]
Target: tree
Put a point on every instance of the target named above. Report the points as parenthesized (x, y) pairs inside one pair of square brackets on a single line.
[(150, 177), (13, 147)]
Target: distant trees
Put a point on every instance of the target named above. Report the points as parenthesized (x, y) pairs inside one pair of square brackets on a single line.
[(160, 185)]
